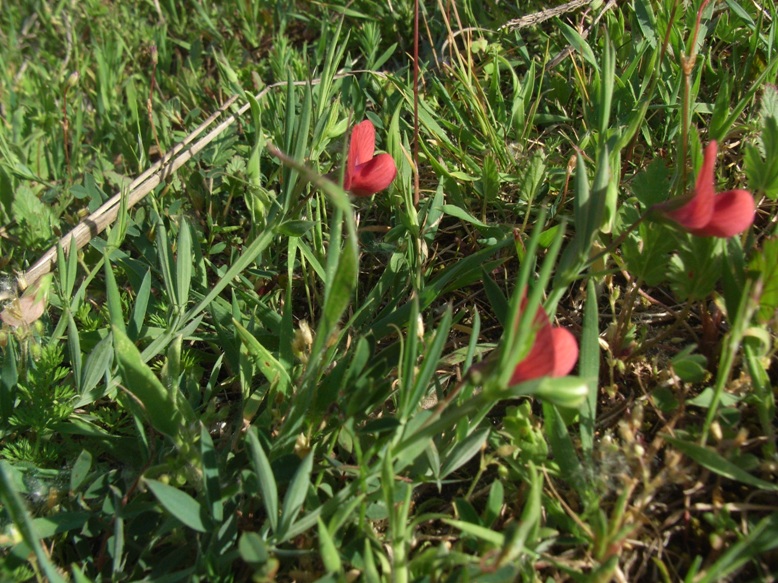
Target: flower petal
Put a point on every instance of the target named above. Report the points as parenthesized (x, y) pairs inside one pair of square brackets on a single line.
[(565, 351), (705, 186), (696, 213), (362, 143), (733, 213), (540, 360), (373, 176)]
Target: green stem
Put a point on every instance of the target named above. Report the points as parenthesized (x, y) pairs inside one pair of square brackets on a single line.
[(765, 401), (731, 345), (687, 65)]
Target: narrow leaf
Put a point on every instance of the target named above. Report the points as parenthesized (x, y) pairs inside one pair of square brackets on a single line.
[(329, 552), (180, 504), (184, 263), (139, 379), (141, 306), (273, 370), (711, 460), (211, 482), (98, 363), (485, 534), (295, 496), (578, 42), (267, 482), (589, 366), (464, 451), (112, 297)]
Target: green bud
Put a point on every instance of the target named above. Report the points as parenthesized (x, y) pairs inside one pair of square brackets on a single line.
[(564, 391)]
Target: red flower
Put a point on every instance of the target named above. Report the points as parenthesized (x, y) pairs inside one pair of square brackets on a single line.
[(367, 174), (708, 214), (554, 352)]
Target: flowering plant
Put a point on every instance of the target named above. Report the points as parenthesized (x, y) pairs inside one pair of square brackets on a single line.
[(711, 214), (367, 173)]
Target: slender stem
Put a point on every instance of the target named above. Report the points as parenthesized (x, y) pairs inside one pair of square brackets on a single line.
[(687, 65), (733, 340), (626, 314), (149, 101), (416, 186), (616, 243)]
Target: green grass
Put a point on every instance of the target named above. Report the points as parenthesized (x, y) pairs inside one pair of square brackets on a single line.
[(251, 375)]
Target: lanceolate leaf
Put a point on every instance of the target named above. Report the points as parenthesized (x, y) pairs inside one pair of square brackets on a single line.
[(463, 451), (295, 496), (160, 406), (184, 265), (267, 482), (273, 370), (180, 504), (713, 461)]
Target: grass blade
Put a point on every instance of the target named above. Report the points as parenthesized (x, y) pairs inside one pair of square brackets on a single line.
[(295, 496), (267, 482)]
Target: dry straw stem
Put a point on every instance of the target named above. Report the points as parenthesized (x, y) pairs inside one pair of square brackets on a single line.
[(568, 50), (96, 223), (543, 15), (538, 17), (181, 153), (529, 19)]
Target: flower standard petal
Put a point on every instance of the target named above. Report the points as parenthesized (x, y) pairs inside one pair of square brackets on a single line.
[(360, 149), (540, 360), (733, 213), (373, 176), (696, 213), (708, 214), (362, 143), (367, 174)]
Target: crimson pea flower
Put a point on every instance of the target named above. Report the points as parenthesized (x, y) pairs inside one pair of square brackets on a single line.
[(554, 352), (367, 174), (711, 214)]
